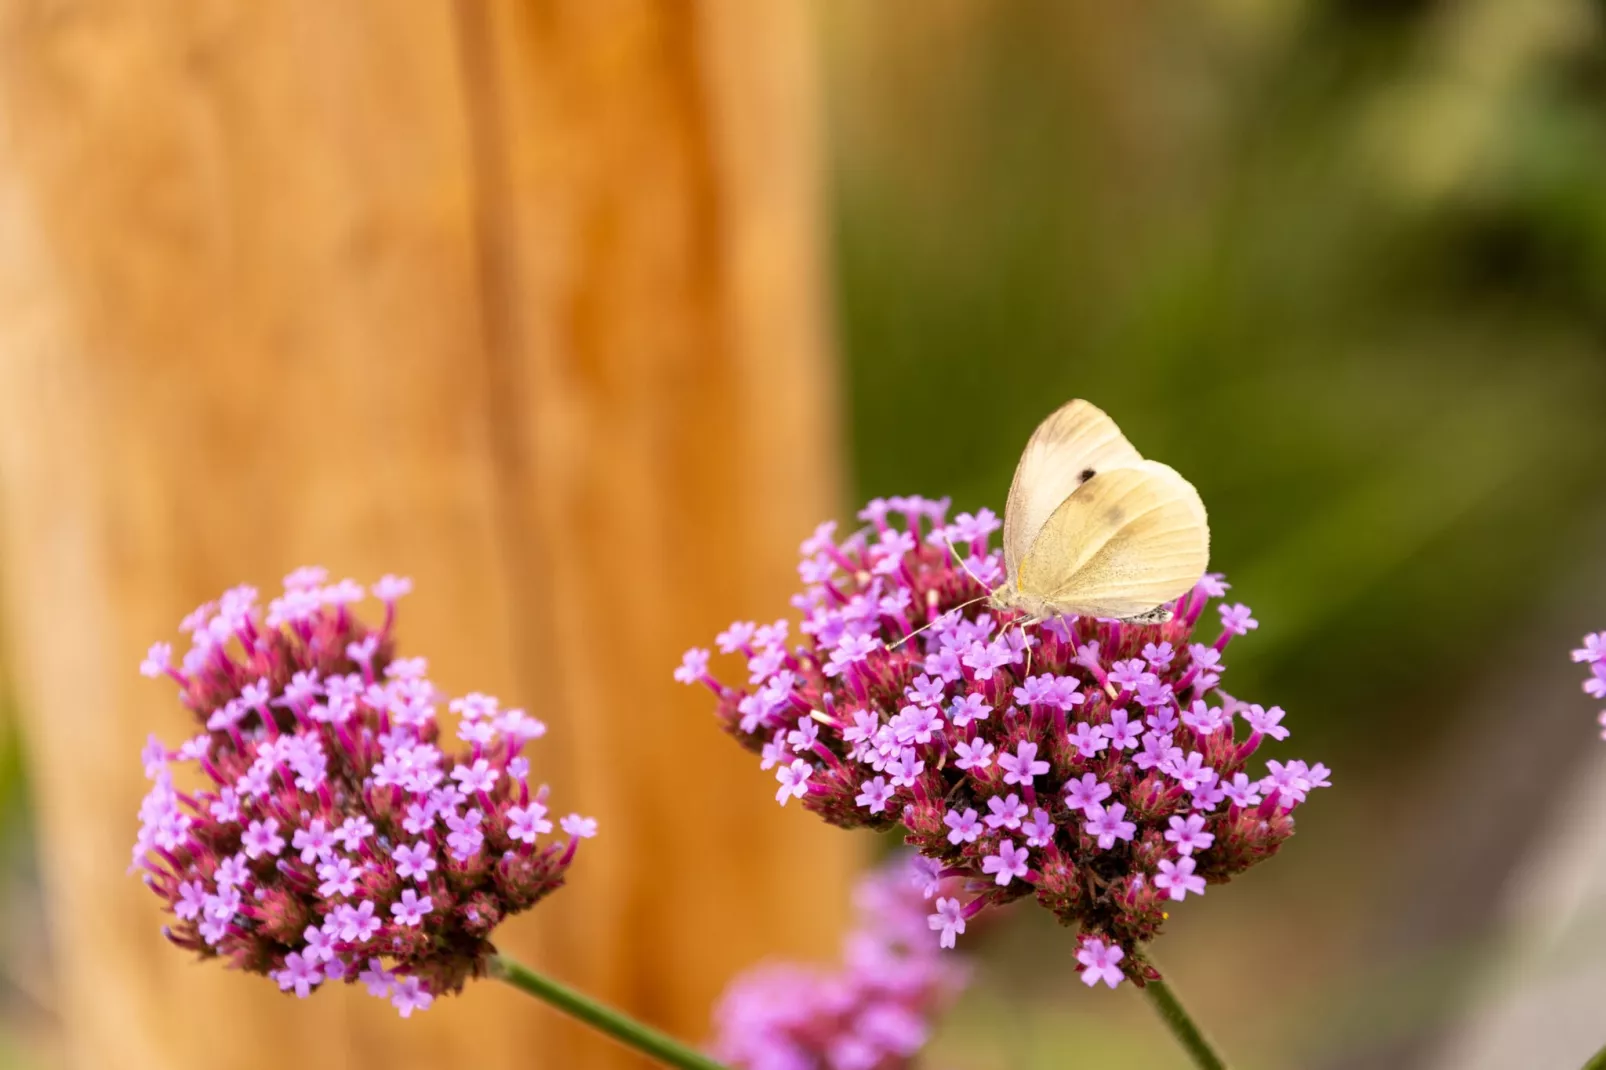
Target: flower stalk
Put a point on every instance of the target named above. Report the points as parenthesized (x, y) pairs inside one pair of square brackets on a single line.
[(1183, 1027), (599, 1016)]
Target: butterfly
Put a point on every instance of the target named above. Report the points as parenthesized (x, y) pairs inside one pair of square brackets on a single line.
[(1092, 529)]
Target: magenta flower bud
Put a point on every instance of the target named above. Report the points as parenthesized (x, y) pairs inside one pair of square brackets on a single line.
[(335, 839), (1093, 764)]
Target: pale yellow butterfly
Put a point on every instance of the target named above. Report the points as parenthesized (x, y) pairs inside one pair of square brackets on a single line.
[(1092, 529)]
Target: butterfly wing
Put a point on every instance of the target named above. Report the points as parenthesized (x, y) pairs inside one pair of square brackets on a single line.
[(1128, 539), (1075, 439)]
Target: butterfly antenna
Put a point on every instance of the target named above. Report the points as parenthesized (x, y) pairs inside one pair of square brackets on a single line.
[(966, 566), (932, 623)]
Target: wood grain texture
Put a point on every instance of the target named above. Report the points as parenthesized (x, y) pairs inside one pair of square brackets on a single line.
[(519, 298)]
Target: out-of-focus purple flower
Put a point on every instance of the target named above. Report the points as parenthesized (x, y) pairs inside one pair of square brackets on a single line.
[(872, 1012), (318, 849), (1592, 654), (907, 702)]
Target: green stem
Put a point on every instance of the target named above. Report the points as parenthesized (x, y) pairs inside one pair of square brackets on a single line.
[(1597, 1061), (604, 1019), (1182, 1027)]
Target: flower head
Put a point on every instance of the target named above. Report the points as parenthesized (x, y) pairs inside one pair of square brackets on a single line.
[(875, 1010), (334, 838), (1093, 764)]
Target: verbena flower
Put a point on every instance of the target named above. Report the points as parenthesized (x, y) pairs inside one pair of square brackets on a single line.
[(1593, 655), (1093, 764), (320, 831), (875, 1011)]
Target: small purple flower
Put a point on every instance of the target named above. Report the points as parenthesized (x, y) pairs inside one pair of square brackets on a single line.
[(414, 861), (1242, 791), (1022, 766), (1266, 722), (1235, 620), (314, 842), (465, 838), (985, 659), (300, 973), (1188, 834), (1102, 961), (1039, 830), (1189, 772), (192, 896), (1178, 879), (354, 831), (967, 708), (1158, 655), (320, 944), (157, 660), (581, 828), (925, 691), (338, 877), (917, 724), (794, 780), (408, 994), (525, 823), (950, 918), (1122, 733), (1007, 812), (391, 588), (1086, 793), (906, 769), (1008, 863), (874, 794), (1127, 675), (1157, 752), (232, 872), (1107, 826), (964, 828), (734, 638), (1088, 740), (475, 778), (411, 909), (262, 838), (973, 754), (693, 667), (1154, 693), (357, 923), (1206, 719)]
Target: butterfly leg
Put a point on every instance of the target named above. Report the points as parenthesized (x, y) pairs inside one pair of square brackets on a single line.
[(1023, 625)]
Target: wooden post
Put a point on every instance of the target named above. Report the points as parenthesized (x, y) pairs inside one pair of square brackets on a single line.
[(522, 299)]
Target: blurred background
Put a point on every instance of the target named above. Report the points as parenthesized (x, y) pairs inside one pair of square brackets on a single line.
[(1343, 264)]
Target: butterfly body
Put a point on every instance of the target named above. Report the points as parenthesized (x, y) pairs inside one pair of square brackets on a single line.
[(1093, 529)]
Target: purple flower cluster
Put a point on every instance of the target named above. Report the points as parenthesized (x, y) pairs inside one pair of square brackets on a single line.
[(332, 838), (1094, 764), (875, 1012), (1593, 654)]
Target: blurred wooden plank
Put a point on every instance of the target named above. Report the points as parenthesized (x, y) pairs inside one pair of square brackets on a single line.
[(520, 299)]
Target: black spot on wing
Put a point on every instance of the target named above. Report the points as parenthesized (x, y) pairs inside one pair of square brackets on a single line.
[(1087, 474)]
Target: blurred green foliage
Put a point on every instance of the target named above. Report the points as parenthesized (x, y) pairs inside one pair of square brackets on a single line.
[(1343, 265)]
